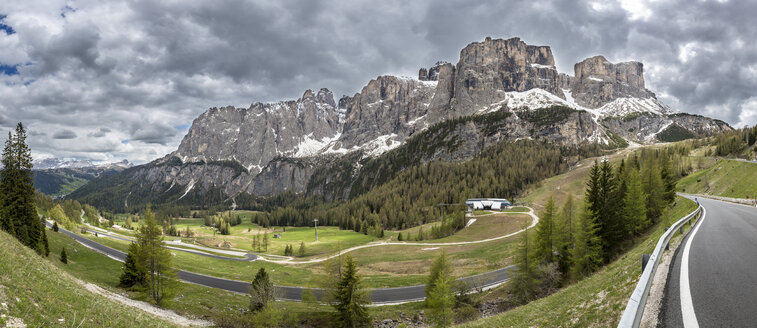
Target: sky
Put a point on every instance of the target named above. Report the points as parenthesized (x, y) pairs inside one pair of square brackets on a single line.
[(113, 80)]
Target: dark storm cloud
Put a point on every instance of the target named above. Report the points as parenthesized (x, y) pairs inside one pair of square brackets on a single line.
[(140, 67), (64, 134)]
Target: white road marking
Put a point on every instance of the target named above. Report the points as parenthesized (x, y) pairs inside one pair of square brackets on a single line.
[(687, 306)]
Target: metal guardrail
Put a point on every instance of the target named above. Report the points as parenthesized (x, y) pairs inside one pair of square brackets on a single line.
[(635, 308)]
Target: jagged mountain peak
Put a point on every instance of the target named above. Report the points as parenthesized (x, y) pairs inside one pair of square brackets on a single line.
[(270, 148)]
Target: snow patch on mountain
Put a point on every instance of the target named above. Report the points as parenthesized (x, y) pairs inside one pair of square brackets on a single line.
[(310, 146), (624, 106)]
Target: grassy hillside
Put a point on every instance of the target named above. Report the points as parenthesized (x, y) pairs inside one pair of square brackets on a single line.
[(42, 295), (726, 178), (597, 301)]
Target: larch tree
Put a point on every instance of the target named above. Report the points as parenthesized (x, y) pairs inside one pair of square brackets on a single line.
[(524, 283), (587, 252), (161, 277), (634, 211), (566, 234), (545, 233), (351, 300), (440, 297)]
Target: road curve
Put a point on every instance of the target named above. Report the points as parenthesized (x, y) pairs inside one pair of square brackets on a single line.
[(721, 263), (379, 296)]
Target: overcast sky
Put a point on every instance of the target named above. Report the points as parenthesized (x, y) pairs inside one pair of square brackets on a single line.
[(110, 80)]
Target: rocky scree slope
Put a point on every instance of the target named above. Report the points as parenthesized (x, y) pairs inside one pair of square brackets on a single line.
[(272, 148)]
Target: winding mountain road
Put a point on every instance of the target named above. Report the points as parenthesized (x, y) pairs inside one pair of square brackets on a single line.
[(712, 280), (379, 296)]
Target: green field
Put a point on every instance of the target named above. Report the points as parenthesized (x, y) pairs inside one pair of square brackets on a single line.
[(193, 301), (596, 301)]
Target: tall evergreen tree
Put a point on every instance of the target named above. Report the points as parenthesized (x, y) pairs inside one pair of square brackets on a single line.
[(351, 300), (161, 277), (525, 280), (133, 272), (587, 253), (440, 267), (261, 291), (653, 185), (545, 232), (7, 183), (18, 210), (566, 235), (634, 211), (440, 302), (63, 256)]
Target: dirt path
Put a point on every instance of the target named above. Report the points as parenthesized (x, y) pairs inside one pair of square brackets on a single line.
[(163, 314)]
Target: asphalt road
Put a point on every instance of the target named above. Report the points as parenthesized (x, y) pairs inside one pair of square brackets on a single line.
[(722, 271), (378, 296)]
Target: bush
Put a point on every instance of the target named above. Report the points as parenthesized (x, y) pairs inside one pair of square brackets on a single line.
[(466, 312)]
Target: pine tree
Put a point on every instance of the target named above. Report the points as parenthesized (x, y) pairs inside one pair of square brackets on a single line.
[(45, 245), (634, 212), (7, 184), (63, 256), (351, 299), (566, 234), (55, 226), (301, 251), (652, 183), (587, 253), (441, 301), (545, 233), (265, 242), (440, 297), (18, 209), (524, 280), (161, 277), (261, 291), (440, 267), (133, 272)]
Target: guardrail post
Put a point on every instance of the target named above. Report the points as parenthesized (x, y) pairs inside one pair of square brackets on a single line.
[(644, 261)]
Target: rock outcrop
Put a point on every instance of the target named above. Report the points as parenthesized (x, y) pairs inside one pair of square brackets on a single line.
[(489, 69), (388, 110), (597, 82), (254, 136)]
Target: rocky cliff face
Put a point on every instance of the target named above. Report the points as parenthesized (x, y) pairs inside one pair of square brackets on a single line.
[(256, 135), (272, 148), (384, 113), (598, 82), (487, 70)]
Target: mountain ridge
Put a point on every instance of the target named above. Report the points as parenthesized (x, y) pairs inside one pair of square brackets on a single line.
[(278, 146)]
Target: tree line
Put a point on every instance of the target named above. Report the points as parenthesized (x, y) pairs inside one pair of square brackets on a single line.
[(621, 203)]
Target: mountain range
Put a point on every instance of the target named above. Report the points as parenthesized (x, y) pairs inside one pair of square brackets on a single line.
[(498, 90)]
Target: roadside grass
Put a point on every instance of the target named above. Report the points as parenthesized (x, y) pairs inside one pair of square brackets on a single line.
[(725, 178), (41, 294), (596, 301)]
